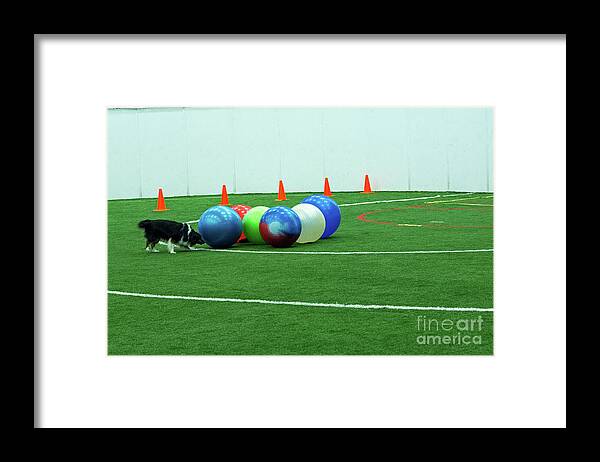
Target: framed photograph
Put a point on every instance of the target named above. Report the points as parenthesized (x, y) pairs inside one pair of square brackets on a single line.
[(299, 231)]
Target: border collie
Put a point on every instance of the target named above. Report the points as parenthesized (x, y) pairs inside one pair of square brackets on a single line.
[(172, 233)]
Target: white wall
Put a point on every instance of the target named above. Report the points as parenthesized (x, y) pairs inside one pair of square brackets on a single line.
[(211, 150), (193, 151), (124, 155)]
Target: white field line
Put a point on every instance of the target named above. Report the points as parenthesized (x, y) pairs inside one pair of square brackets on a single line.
[(456, 200), (365, 252), (406, 199), (389, 200), (296, 303), (462, 194), (382, 252)]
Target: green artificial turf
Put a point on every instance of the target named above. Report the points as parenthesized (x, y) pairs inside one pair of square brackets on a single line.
[(155, 326)]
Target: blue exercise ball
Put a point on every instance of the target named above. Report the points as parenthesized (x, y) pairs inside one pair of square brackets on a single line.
[(220, 227), (280, 226), (331, 212)]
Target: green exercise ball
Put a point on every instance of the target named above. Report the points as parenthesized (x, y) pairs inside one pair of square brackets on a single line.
[(251, 223)]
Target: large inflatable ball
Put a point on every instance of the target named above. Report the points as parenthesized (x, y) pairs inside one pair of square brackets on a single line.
[(241, 210), (313, 222), (330, 211), (220, 227), (280, 226), (251, 224)]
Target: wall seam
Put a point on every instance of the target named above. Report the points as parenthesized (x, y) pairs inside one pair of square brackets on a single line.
[(139, 149), (187, 150)]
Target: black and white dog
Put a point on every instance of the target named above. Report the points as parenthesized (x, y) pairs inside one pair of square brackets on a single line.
[(172, 233)]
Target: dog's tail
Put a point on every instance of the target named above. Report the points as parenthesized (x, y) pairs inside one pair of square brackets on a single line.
[(142, 224)]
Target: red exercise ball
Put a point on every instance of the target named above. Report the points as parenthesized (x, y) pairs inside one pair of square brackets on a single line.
[(241, 211)]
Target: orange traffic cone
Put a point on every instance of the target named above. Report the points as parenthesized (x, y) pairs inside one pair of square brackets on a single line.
[(326, 189), (160, 204), (367, 188), (281, 193), (224, 197)]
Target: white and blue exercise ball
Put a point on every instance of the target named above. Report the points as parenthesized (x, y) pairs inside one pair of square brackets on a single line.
[(329, 209), (313, 223), (220, 227), (280, 226)]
